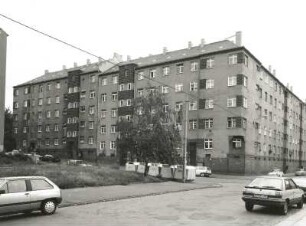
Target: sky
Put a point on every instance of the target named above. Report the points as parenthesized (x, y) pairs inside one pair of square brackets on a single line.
[(274, 31)]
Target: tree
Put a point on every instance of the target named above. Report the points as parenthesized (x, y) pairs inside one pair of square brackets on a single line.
[(9, 140), (151, 135)]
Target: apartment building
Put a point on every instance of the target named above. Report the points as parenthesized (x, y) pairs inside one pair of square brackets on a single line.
[(241, 118), (3, 39)]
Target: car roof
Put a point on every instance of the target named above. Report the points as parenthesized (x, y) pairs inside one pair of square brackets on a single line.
[(23, 177), (273, 177)]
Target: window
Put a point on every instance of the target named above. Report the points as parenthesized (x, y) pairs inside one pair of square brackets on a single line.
[(210, 83), (140, 75), (16, 186), (82, 109), (39, 184), (41, 89), (115, 79), (90, 140), (75, 89), (91, 110), (128, 102), (245, 102), (194, 66), (15, 130), (92, 78), (140, 92), (25, 129), (231, 102), (210, 63), (102, 145), (92, 94), (237, 142), (129, 86), (180, 68), (58, 85), (193, 86), (165, 108), (113, 129), (193, 124), (91, 125), (121, 87), (165, 89), (178, 106), (209, 104), (39, 128), (70, 90), (114, 96), (231, 122), (114, 113), (47, 128), (25, 103), (16, 105), (232, 59), (57, 99), (56, 127), (103, 113), (178, 87), (47, 142), (104, 81), (152, 73), (103, 129), (166, 70), (83, 94), (48, 87), (232, 80), (56, 113), (16, 92), (48, 114), (55, 141), (208, 123), (208, 143), (26, 90), (103, 97), (113, 145), (126, 72), (24, 143), (192, 106), (74, 134)]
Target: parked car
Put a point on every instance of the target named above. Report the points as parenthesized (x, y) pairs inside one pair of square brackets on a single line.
[(272, 191), (276, 172), (300, 172), (75, 162), (301, 182), (27, 194), (50, 158), (203, 171)]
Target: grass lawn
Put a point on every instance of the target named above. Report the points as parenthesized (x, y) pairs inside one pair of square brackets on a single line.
[(67, 176)]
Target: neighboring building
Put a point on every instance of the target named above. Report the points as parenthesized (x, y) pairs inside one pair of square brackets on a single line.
[(3, 37), (241, 118)]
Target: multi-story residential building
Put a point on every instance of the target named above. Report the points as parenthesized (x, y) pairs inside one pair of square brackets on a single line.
[(241, 118), (3, 37)]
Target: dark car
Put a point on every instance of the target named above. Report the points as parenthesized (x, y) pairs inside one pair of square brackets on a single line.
[(50, 158), (301, 182)]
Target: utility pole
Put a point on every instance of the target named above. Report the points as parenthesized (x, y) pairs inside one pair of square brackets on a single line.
[(185, 140)]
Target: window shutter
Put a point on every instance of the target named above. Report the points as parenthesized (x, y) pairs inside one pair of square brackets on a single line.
[(240, 79), (201, 123), (239, 122), (239, 101), (240, 58), (203, 83), (202, 103), (203, 63)]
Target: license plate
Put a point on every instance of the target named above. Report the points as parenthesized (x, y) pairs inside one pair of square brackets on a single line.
[(261, 196)]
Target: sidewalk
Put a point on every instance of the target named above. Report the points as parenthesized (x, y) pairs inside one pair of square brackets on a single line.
[(298, 219), (81, 196)]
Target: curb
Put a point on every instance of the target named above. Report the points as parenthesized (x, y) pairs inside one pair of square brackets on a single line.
[(64, 205)]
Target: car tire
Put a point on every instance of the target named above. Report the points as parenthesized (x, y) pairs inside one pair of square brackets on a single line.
[(249, 206), (202, 175), (285, 208), (48, 207), (300, 204)]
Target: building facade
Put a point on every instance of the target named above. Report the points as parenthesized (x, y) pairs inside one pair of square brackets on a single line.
[(3, 39), (241, 118)]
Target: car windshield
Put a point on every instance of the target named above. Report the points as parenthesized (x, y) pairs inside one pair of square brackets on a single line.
[(300, 181), (268, 183)]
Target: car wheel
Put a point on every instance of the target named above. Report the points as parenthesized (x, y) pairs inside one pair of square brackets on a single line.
[(48, 207), (285, 208), (202, 175), (249, 206), (300, 204)]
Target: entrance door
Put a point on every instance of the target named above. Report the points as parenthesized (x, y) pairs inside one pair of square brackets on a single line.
[(192, 153)]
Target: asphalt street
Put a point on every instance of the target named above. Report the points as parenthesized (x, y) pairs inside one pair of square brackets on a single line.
[(209, 206)]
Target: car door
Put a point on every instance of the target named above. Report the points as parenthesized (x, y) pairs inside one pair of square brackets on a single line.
[(289, 192), (40, 190), (296, 191)]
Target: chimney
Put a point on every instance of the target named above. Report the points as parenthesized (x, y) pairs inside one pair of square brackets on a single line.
[(75, 64), (46, 72), (202, 42), (189, 45), (88, 61), (165, 50), (287, 85), (238, 38), (64, 67), (118, 57), (274, 72), (270, 68), (291, 88), (128, 58)]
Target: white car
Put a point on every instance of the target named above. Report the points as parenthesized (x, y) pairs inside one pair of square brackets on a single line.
[(276, 172), (203, 171), (27, 194)]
